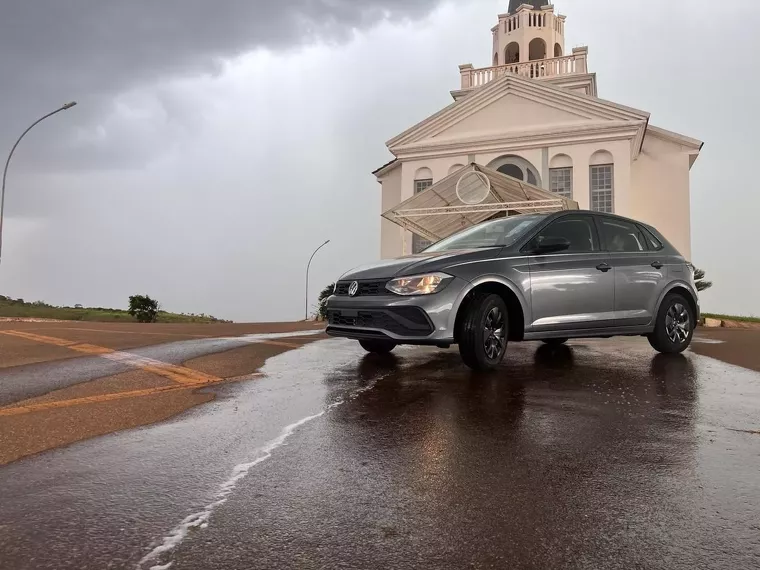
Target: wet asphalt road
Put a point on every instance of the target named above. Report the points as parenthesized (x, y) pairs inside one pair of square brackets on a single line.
[(21, 382), (596, 455)]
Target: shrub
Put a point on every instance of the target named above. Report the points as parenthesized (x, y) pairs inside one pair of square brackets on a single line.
[(699, 280), (322, 301), (143, 308)]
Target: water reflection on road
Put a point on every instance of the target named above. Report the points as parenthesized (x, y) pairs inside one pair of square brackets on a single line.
[(596, 454)]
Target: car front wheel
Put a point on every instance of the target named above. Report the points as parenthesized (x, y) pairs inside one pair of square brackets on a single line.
[(483, 333), (378, 346), (674, 328)]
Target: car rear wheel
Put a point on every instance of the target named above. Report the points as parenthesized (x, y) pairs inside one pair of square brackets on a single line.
[(674, 327), (483, 332), (554, 341), (377, 346)]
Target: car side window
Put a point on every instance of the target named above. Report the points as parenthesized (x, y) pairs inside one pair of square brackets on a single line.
[(578, 230), (654, 243), (620, 236)]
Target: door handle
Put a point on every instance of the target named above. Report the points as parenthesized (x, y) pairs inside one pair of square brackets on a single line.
[(657, 265), (603, 267)]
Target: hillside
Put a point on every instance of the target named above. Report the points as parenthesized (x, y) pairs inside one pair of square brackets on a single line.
[(40, 310)]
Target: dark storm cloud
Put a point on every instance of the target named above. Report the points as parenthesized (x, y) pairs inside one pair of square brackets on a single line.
[(91, 50)]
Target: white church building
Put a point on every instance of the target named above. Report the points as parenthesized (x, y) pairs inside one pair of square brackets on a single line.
[(533, 124)]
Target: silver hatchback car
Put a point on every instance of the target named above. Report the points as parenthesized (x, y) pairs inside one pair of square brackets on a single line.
[(548, 277)]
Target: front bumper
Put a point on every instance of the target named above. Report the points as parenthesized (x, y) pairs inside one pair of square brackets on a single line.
[(419, 319)]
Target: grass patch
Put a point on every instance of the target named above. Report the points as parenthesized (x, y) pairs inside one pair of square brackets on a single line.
[(732, 318), (40, 310)]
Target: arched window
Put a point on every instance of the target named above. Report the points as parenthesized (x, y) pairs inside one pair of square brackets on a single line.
[(557, 50), (537, 49), (561, 175), (602, 181), (495, 59), (423, 174), (512, 170), (455, 167), (516, 167), (512, 53)]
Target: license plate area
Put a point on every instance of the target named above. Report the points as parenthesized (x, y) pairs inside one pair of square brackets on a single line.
[(348, 317)]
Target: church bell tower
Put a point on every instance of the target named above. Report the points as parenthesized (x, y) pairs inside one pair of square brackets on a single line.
[(529, 31)]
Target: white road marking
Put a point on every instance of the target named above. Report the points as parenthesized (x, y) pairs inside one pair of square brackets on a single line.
[(254, 338), (707, 340), (200, 519)]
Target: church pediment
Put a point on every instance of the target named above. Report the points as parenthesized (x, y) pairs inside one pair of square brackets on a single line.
[(517, 106), (511, 112)]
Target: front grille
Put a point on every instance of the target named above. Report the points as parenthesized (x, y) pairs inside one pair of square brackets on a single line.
[(403, 321), (366, 288)]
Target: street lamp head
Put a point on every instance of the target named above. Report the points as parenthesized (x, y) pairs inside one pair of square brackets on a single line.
[(69, 105), (328, 241)]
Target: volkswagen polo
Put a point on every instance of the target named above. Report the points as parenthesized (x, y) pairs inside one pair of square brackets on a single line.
[(548, 277)]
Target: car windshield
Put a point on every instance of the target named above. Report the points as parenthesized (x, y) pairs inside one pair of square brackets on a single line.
[(496, 233)]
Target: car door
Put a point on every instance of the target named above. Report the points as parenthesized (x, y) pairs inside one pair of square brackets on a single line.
[(571, 289), (639, 272)]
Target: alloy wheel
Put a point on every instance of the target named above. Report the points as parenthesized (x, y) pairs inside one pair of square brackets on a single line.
[(677, 323), (494, 337)]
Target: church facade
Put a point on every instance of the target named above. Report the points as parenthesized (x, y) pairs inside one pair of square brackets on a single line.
[(534, 115)]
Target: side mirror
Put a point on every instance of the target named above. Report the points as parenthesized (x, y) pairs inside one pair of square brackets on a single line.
[(551, 245)]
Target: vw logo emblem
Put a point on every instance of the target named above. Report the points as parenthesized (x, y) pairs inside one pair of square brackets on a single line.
[(353, 289)]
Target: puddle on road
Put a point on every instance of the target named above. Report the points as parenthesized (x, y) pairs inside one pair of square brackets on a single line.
[(136, 485), (310, 364), (159, 482)]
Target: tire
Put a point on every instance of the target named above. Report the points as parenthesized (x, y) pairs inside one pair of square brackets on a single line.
[(485, 313), (555, 341), (378, 346), (674, 327)]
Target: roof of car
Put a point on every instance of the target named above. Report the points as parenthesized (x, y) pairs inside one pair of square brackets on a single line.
[(604, 214)]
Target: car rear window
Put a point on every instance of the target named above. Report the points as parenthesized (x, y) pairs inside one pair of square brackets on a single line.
[(620, 236)]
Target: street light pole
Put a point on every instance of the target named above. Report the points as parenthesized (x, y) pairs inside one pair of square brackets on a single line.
[(7, 162), (307, 277)]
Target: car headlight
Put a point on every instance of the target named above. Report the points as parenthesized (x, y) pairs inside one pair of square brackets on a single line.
[(418, 284)]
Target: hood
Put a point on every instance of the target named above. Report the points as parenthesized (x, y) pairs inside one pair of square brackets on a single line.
[(418, 263)]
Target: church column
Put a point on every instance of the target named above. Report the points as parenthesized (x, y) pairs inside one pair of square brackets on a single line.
[(465, 71), (622, 178), (524, 37), (545, 182), (581, 59), (581, 177)]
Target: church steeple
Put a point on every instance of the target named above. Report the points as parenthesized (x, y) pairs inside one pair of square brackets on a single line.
[(529, 31)]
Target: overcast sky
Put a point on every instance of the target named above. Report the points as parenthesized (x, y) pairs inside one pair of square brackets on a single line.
[(216, 144)]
